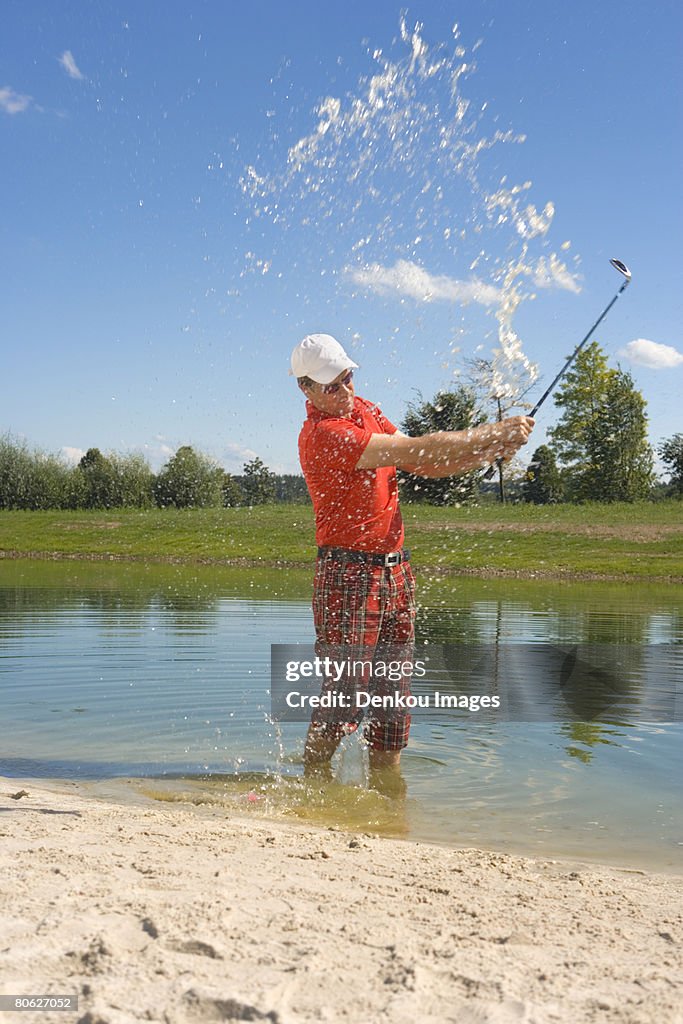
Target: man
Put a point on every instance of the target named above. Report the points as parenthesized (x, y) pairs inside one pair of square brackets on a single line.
[(363, 597)]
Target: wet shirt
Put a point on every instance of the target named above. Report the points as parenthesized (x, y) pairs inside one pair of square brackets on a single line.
[(354, 508)]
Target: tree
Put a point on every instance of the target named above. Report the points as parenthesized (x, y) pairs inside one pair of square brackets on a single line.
[(502, 384), (258, 483), (601, 437), (189, 480), (543, 483), (17, 474), (621, 460), (32, 479), (232, 492), (580, 397), (134, 480), (291, 488), (98, 477), (112, 481), (450, 410), (671, 453)]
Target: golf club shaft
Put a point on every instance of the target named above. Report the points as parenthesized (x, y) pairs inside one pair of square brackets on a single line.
[(491, 470), (575, 353)]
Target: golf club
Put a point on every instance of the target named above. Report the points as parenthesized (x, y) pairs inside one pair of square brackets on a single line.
[(626, 273)]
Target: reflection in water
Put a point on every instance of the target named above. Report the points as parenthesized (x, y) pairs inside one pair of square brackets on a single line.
[(590, 734), (139, 671)]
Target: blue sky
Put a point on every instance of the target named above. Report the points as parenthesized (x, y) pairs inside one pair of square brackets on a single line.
[(151, 298)]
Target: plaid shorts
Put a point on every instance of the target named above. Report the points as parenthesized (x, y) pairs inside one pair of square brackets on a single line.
[(365, 613)]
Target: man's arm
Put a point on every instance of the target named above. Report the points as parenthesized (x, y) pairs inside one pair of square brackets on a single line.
[(448, 452)]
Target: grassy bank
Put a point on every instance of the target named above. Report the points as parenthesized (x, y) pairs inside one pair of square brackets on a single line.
[(643, 541)]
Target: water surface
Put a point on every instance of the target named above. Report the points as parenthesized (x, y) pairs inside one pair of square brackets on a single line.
[(162, 674)]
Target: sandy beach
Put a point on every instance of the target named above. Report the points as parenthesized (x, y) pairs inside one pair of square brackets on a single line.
[(179, 914)]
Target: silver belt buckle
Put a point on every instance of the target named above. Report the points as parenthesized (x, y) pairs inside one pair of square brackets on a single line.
[(393, 559)]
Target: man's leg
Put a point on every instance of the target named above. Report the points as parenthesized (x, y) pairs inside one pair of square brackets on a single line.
[(385, 773), (389, 735), (380, 760), (341, 618), (321, 743)]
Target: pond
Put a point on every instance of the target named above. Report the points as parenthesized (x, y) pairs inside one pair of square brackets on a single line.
[(161, 675)]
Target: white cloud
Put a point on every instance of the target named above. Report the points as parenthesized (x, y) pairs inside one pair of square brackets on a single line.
[(69, 64), (158, 453), (652, 354), (406, 278), (72, 455), (161, 448), (553, 273), (235, 456), (13, 102)]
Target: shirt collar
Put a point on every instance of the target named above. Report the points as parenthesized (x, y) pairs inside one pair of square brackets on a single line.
[(316, 415)]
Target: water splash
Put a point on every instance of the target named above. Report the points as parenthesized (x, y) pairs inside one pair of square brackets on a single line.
[(399, 182), (333, 803)]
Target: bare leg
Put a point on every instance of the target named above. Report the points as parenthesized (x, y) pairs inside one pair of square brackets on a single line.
[(319, 750), (385, 773), (382, 759)]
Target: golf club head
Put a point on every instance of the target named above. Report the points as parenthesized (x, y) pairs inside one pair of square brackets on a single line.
[(622, 268)]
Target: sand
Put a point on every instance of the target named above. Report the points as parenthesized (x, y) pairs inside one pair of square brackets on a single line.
[(177, 914)]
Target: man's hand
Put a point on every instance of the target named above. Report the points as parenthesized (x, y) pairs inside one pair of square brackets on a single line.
[(515, 431)]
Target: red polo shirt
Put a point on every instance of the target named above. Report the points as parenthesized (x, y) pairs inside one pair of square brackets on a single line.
[(354, 508)]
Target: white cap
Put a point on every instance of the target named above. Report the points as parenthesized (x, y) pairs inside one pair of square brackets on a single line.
[(320, 357)]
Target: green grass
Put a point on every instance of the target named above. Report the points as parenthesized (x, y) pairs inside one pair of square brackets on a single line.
[(266, 533), (637, 541)]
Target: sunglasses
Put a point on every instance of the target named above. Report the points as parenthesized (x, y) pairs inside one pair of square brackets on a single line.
[(332, 389)]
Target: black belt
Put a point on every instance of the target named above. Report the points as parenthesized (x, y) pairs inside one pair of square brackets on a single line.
[(347, 555)]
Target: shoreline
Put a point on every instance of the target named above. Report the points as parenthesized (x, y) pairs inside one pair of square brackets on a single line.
[(194, 794), (183, 914), (485, 573)]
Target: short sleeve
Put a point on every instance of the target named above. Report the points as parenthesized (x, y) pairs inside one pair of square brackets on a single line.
[(339, 443)]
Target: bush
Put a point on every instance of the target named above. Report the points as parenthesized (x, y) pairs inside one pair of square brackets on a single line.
[(189, 480), (32, 480)]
